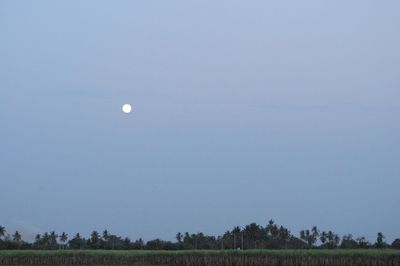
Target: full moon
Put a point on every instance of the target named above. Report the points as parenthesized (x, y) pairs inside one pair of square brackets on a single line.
[(126, 108)]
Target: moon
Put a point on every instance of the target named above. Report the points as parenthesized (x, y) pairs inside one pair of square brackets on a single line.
[(126, 108)]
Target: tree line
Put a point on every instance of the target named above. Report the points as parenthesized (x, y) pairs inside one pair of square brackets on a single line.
[(251, 236)]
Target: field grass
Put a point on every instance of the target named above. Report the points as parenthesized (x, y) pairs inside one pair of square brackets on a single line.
[(313, 257), (134, 253)]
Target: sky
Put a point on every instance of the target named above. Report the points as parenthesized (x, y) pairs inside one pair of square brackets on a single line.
[(243, 111)]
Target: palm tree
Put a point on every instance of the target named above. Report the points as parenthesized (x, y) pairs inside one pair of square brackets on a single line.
[(284, 234), (323, 237), (95, 239), (303, 235), (310, 237), (38, 240), (53, 240), (45, 239), (179, 237), (106, 238), (106, 234), (76, 242), (17, 237), (2, 231), (63, 238), (380, 240)]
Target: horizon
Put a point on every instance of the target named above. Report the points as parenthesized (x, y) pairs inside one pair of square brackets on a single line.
[(371, 241)]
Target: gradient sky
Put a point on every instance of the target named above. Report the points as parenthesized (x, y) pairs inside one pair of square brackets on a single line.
[(243, 111)]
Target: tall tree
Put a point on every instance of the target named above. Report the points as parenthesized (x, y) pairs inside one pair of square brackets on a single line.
[(310, 237), (179, 237), (380, 240), (272, 229), (315, 233), (17, 237), (53, 240), (284, 235), (348, 242), (63, 238), (77, 242), (323, 237), (106, 235), (38, 241), (127, 243), (362, 242), (333, 239), (94, 241), (2, 231)]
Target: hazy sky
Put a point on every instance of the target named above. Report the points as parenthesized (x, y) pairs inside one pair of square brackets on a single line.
[(243, 111)]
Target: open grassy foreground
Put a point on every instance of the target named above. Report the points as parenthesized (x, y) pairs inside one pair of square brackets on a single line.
[(372, 257)]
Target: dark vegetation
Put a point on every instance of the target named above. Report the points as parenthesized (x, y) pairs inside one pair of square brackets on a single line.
[(250, 257), (252, 236)]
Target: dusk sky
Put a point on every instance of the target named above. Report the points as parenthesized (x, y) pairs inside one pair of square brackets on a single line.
[(243, 111)]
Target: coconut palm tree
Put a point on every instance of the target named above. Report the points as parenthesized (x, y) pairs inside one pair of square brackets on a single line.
[(63, 238), (380, 240), (94, 241), (17, 237), (53, 240)]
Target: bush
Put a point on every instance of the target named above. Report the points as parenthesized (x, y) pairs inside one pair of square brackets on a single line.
[(396, 243)]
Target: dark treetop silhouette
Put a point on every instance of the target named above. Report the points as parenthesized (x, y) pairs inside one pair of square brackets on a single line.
[(252, 236)]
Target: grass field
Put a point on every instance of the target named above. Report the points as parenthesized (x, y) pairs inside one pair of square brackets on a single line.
[(285, 252), (202, 257)]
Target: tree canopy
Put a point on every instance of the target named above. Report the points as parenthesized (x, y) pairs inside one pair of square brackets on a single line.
[(251, 236)]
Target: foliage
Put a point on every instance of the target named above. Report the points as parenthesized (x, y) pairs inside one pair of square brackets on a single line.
[(251, 236), (396, 243)]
